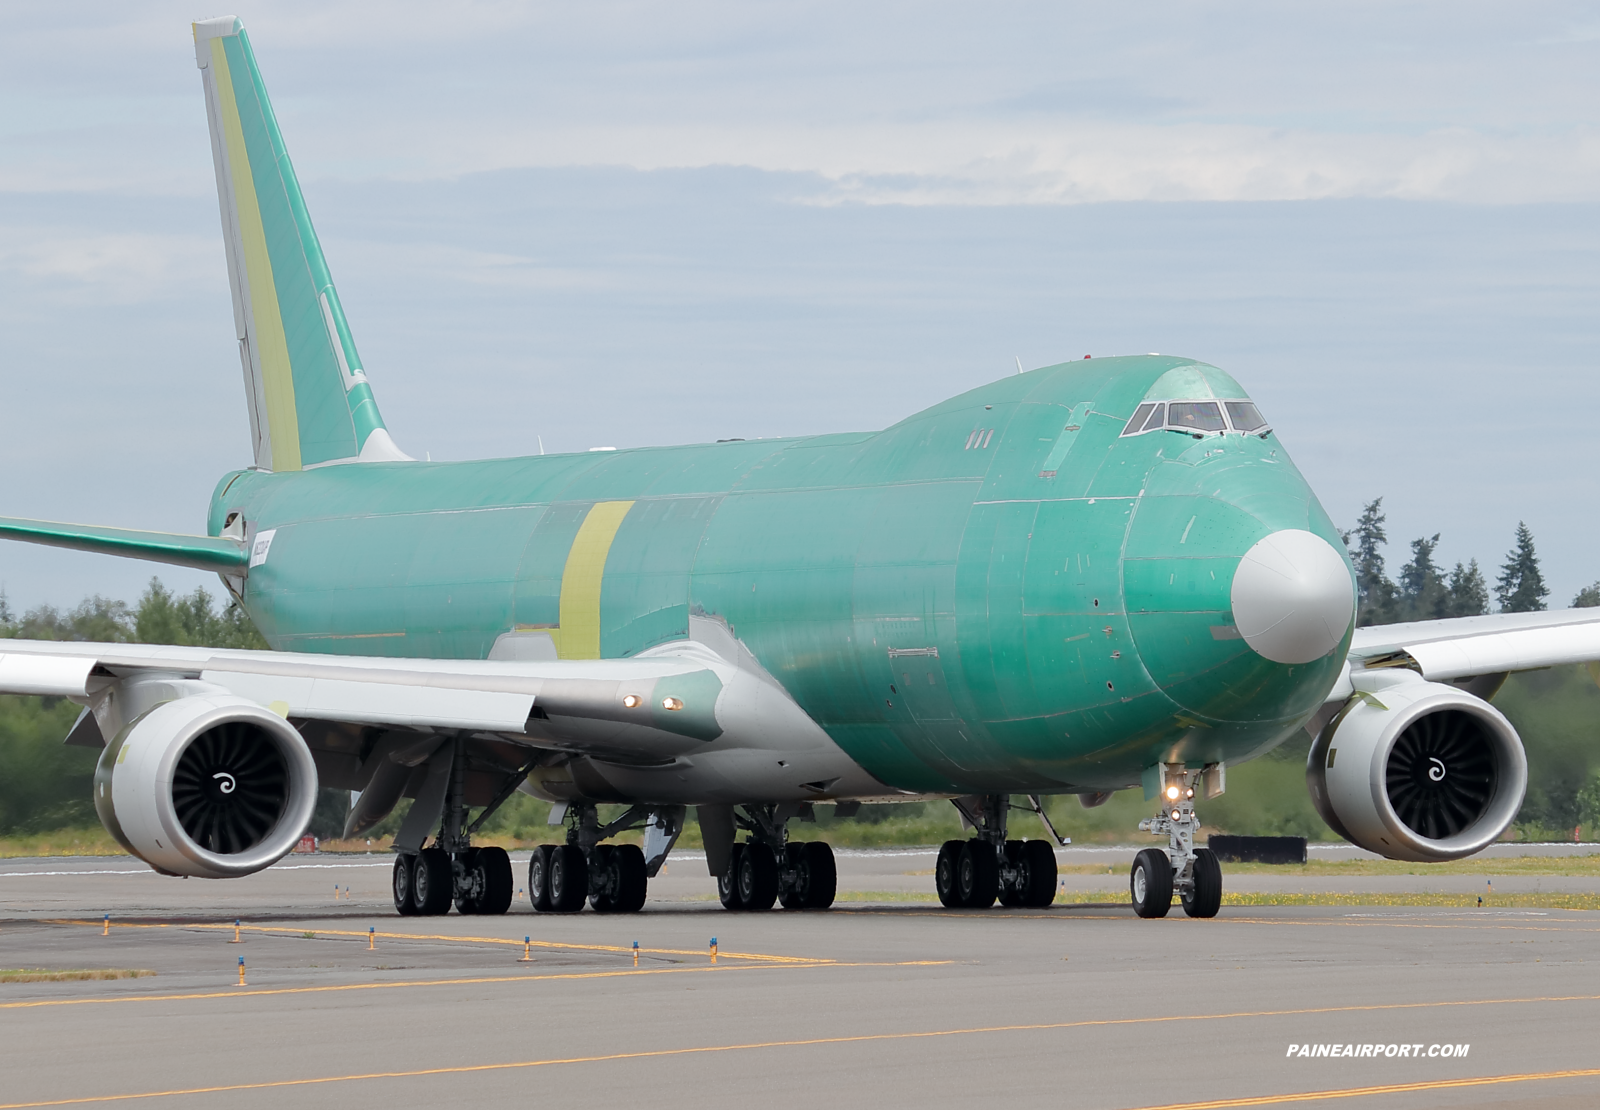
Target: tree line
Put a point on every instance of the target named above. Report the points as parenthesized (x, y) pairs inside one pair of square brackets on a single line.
[(1425, 591)]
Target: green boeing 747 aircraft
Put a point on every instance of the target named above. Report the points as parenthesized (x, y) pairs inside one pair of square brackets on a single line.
[(1095, 576)]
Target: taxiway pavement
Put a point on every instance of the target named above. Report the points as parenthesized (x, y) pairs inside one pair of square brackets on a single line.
[(878, 1003)]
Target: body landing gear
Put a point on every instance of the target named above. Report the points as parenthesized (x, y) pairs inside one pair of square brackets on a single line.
[(769, 868), (1192, 873), (974, 874)]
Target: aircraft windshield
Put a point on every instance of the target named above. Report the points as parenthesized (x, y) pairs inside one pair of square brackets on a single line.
[(1244, 416), (1196, 417)]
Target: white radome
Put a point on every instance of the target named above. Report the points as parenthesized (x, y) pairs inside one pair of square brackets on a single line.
[(1293, 598)]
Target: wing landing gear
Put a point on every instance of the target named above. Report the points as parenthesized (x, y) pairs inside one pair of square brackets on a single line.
[(612, 878)]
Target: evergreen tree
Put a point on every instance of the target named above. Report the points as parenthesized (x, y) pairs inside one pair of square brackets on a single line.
[(6, 619), (1423, 594), (1469, 593), (167, 618), (1374, 591), (1588, 597), (1521, 587)]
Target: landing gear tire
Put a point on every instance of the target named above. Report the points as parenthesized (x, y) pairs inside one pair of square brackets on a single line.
[(1040, 863), (816, 881), (1016, 894), (944, 873), (757, 877), (602, 895), (486, 882), (977, 875), (728, 881), (403, 905), (1150, 883), (822, 876), (433, 882), (1204, 898), (539, 877), (569, 878), (633, 883)]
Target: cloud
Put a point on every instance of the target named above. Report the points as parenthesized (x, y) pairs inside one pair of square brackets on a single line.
[(116, 268)]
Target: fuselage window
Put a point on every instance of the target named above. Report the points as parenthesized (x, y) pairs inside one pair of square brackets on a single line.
[(1244, 416), (1137, 423), (1195, 416), (1157, 418)]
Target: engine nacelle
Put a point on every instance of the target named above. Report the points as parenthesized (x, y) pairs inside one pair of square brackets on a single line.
[(209, 785), (1418, 771)]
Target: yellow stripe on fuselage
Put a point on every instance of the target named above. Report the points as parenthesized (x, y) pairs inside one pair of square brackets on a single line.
[(266, 321), (579, 634)]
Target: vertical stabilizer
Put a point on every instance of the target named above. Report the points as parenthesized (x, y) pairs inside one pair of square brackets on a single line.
[(309, 398)]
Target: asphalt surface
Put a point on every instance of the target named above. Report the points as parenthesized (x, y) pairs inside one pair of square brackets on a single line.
[(878, 1002)]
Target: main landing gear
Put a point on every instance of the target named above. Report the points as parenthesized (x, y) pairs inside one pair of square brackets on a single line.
[(612, 878), (767, 867), (476, 880), (973, 874), (1192, 873)]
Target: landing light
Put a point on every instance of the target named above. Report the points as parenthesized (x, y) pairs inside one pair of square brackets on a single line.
[(1172, 793), (1190, 794), (632, 701), (1177, 815), (671, 703)]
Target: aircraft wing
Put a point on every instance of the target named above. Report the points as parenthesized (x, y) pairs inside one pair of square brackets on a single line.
[(1467, 647), (644, 707)]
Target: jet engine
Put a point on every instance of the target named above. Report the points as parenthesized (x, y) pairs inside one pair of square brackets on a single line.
[(209, 785), (1418, 771)]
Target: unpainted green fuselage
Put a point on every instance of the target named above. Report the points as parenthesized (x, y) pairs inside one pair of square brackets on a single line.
[(955, 615)]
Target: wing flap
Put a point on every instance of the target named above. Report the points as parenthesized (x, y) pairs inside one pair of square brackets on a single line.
[(380, 703)]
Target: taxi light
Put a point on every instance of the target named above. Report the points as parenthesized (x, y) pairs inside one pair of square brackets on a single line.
[(1172, 793), (1190, 794), (671, 703), (1177, 815), (632, 701)]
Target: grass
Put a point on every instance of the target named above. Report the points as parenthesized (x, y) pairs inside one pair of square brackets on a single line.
[(93, 841), (68, 975)]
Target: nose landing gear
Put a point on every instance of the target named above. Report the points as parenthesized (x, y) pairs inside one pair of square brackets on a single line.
[(1192, 873)]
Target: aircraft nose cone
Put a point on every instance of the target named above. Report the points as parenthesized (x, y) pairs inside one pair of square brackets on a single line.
[(1293, 600)]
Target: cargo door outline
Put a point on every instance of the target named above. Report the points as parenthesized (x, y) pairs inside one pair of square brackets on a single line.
[(940, 737)]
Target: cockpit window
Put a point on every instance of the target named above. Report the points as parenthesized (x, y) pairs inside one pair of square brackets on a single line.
[(1137, 423), (1244, 416), (1195, 416)]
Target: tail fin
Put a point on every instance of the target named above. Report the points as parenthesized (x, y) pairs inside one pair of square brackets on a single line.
[(309, 398)]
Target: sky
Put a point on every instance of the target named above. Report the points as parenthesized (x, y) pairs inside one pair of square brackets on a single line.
[(620, 224)]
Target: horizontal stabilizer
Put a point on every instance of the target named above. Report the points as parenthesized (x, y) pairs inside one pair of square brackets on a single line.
[(214, 553)]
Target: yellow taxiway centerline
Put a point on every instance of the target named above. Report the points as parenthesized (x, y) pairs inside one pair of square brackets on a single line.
[(356, 933), (619, 973)]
